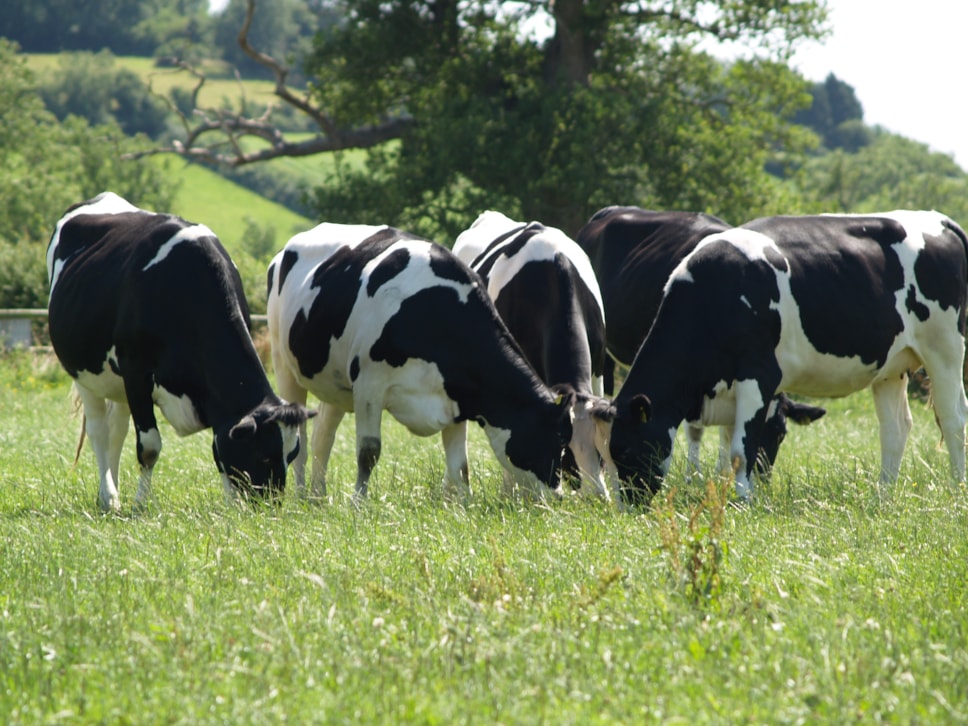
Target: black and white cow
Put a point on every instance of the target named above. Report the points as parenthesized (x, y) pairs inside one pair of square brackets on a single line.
[(147, 309), (633, 252), (369, 318), (545, 291), (822, 306)]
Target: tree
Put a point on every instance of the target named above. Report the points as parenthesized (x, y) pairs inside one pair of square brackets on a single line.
[(45, 166), (836, 114), (891, 172), (281, 28), (91, 86), (613, 104), (126, 27)]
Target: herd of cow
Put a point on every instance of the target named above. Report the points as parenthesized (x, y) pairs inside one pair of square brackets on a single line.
[(518, 329)]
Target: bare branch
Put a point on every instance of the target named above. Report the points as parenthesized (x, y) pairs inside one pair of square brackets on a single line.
[(216, 136)]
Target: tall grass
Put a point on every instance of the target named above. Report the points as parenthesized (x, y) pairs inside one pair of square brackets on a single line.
[(831, 606)]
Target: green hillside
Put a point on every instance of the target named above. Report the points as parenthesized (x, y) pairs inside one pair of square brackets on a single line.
[(204, 196)]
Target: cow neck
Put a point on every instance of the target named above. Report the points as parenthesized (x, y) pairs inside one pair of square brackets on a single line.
[(510, 387), (664, 373), (238, 387)]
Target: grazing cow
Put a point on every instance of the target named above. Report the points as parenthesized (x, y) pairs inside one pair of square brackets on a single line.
[(823, 306), (372, 318), (545, 291), (148, 309), (633, 251)]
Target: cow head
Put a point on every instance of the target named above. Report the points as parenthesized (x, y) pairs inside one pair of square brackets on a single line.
[(532, 451), (591, 417), (253, 453), (640, 445), (782, 409)]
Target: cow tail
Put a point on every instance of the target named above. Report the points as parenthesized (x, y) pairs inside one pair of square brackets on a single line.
[(75, 407)]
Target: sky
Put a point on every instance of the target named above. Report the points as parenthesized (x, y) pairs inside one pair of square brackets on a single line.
[(905, 60), (907, 63)]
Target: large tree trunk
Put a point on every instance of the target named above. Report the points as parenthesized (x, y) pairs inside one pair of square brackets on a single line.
[(571, 52)]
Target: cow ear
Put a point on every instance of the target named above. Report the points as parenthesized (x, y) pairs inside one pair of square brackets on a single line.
[(565, 395), (243, 429), (802, 413), (641, 407)]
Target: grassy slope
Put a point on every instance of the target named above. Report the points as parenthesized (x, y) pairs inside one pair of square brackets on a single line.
[(832, 608), (206, 197)]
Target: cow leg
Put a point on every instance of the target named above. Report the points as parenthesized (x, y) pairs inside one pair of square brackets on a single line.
[(368, 443), (456, 477), (694, 438), (724, 464), (944, 369), (146, 429), (894, 419), (106, 425), (324, 437)]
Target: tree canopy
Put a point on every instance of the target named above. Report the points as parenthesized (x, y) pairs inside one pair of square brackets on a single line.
[(547, 109)]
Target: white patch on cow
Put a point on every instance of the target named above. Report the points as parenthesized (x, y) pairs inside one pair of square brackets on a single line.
[(471, 243), (745, 301), (290, 439), (749, 401), (311, 248), (105, 203), (412, 393), (720, 408), (178, 410), (105, 383), (588, 444), (189, 234)]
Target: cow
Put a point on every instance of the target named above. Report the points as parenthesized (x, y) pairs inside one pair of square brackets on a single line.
[(147, 309), (545, 291), (372, 318), (633, 252), (820, 305)]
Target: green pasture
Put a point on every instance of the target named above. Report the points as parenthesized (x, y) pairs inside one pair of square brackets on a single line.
[(227, 208), (820, 604), (220, 86)]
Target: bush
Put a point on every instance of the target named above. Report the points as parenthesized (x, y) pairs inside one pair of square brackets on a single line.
[(90, 86), (23, 275)]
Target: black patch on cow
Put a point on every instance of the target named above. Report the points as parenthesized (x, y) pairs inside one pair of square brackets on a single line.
[(914, 306), (355, 368), (270, 274), (447, 267), (390, 266), (289, 260), (497, 242), (509, 250), (556, 320), (336, 282), (844, 277), (933, 268), (775, 259)]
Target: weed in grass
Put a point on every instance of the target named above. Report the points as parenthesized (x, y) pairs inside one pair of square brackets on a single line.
[(697, 553)]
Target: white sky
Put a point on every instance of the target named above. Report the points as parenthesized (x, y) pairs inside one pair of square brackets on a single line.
[(907, 61)]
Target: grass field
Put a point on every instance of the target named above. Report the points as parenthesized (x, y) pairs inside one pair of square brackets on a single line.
[(219, 87), (824, 605)]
